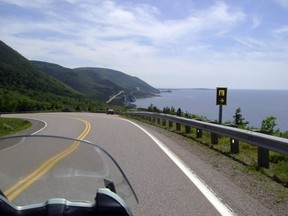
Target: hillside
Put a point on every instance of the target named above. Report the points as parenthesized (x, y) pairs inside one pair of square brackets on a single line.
[(98, 83), (17, 73), (24, 87), (38, 86)]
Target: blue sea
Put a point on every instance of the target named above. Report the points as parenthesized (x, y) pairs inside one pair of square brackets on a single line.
[(255, 104)]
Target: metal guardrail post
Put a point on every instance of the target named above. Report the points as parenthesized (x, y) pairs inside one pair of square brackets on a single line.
[(178, 126), (158, 121), (263, 157), (149, 118), (199, 133), (263, 154), (163, 122), (187, 129), (214, 138), (234, 146), (234, 143)]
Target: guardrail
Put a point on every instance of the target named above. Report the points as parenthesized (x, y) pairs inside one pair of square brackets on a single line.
[(263, 141)]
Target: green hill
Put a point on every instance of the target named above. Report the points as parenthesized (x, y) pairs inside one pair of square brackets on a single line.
[(98, 83), (33, 86), (24, 87), (17, 73)]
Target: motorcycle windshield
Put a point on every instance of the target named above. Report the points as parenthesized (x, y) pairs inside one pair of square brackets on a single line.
[(37, 168)]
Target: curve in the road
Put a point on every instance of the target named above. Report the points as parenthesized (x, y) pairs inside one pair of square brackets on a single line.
[(22, 185)]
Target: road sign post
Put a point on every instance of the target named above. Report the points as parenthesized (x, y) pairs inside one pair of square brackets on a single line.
[(221, 99), (220, 114)]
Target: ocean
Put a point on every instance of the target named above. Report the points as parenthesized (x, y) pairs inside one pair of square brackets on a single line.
[(255, 104)]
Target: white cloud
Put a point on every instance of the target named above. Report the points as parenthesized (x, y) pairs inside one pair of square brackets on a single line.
[(250, 42), (256, 22), (30, 4), (283, 3), (209, 46), (141, 21), (108, 20), (281, 30)]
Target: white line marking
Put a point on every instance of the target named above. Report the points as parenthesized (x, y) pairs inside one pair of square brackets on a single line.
[(22, 140), (198, 182), (5, 149), (23, 117), (45, 125)]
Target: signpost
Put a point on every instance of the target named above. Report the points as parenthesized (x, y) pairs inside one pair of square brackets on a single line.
[(221, 99)]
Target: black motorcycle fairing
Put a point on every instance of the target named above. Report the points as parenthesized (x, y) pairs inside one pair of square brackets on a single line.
[(106, 203)]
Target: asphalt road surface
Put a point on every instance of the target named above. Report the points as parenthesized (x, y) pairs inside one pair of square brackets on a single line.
[(167, 178)]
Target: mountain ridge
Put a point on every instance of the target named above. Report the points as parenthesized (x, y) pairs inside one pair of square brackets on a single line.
[(98, 83), (17, 73), (26, 87)]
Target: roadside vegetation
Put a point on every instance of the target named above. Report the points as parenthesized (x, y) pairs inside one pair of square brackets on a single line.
[(29, 86), (278, 169), (16, 101), (12, 125)]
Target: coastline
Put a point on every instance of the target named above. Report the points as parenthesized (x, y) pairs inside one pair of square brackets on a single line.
[(255, 104)]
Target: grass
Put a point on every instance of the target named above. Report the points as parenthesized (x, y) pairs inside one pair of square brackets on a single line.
[(11, 125), (247, 155)]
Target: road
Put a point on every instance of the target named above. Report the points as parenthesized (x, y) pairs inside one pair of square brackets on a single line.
[(168, 178)]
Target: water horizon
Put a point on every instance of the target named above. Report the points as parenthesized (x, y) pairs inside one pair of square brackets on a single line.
[(255, 104)]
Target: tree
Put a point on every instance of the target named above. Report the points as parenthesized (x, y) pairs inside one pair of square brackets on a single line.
[(187, 115), (150, 108), (166, 110), (172, 111), (179, 112), (268, 124), (153, 108), (239, 120)]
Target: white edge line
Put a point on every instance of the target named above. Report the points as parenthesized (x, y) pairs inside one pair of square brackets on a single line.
[(45, 125), (222, 208)]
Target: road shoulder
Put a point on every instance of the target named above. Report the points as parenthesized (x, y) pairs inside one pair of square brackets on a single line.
[(270, 194), (36, 126)]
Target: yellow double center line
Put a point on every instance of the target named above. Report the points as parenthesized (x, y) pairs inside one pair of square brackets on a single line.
[(12, 192)]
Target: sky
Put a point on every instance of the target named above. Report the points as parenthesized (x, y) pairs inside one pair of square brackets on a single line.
[(239, 44)]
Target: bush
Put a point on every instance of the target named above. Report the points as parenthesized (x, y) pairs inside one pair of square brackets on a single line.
[(269, 124)]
